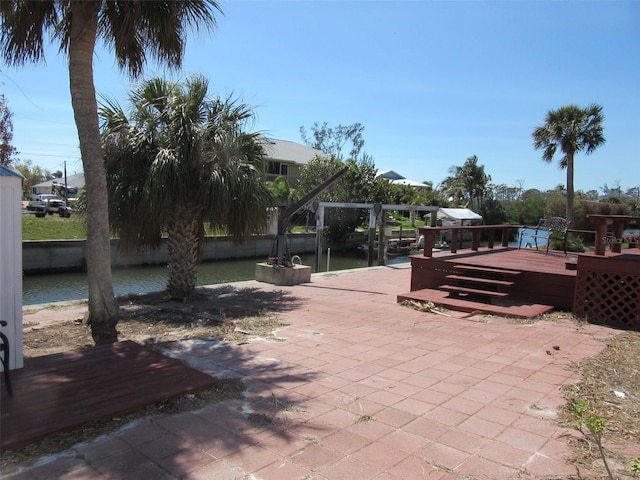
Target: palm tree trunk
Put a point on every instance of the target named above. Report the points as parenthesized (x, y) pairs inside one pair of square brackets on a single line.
[(184, 251), (570, 187), (103, 311)]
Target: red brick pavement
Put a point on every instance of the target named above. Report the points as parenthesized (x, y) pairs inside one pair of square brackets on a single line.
[(359, 387)]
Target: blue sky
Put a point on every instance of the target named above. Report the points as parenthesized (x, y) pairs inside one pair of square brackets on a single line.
[(432, 82)]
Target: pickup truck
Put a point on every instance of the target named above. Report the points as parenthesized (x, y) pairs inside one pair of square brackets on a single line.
[(44, 203)]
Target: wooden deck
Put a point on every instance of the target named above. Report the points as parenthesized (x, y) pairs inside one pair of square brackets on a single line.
[(539, 279), (60, 392), (510, 258)]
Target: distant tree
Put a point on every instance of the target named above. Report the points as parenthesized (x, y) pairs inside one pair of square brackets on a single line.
[(493, 212), (520, 183), (505, 193), (33, 174), (135, 30), (180, 160), (331, 140), (591, 195), (468, 183), (634, 199), (612, 194), (7, 150), (569, 129), (528, 209)]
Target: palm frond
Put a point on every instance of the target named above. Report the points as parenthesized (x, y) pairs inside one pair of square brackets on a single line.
[(136, 28), (26, 26)]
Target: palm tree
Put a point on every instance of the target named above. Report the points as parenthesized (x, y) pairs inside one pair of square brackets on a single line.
[(133, 30), (178, 161), (469, 180), (570, 129)]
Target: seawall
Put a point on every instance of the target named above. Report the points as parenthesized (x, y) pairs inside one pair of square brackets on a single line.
[(70, 255)]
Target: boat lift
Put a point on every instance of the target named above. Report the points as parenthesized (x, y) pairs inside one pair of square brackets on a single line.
[(284, 218), (376, 217)]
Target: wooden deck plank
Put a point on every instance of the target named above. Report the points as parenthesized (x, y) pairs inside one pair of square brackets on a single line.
[(481, 280), (513, 259), (496, 271), (473, 291), (63, 391)]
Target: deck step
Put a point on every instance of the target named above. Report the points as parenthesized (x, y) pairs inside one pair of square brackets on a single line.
[(495, 271), (509, 309), (472, 291), (479, 280)]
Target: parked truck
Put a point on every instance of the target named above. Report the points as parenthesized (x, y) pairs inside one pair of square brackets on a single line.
[(45, 203)]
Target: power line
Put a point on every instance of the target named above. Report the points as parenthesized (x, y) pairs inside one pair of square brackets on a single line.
[(45, 155)]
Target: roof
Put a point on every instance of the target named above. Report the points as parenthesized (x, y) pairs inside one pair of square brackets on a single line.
[(9, 172), (389, 175), (291, 152), (279, 150), (410, 183), (396, 179), (459, 214), (75, 180)]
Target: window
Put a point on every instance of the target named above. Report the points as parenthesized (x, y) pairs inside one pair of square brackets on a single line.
[(277, 168)]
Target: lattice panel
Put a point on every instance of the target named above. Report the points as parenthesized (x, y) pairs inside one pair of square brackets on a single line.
[(608, 298)]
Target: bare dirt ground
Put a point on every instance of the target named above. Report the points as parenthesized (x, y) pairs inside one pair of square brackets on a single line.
[(610, 387), (610, 381)]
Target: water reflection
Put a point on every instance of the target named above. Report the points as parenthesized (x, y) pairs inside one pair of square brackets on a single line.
[(58, 287)]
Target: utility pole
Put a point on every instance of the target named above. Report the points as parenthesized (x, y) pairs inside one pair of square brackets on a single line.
[(65, 183)]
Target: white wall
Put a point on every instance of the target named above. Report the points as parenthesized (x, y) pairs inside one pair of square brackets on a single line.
[(11, 265)]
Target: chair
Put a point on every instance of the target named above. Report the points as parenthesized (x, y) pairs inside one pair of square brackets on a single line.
[(545, 229)]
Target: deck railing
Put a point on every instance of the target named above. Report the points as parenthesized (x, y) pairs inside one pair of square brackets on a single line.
[(430, 236)]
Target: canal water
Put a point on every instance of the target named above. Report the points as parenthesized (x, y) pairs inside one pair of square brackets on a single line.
[(59, 287)]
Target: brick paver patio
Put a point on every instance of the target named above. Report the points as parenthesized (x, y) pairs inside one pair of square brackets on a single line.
[(359, 387)]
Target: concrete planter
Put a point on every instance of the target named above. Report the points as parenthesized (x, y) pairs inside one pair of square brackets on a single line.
[(277, 275)]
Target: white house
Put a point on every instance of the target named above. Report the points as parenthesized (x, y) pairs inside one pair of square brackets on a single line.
[(397, 179)]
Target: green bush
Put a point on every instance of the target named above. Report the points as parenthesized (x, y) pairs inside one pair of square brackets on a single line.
[(574, 243), (584, 208)]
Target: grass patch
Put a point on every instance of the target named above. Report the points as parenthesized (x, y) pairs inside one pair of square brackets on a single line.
[(53, 227)]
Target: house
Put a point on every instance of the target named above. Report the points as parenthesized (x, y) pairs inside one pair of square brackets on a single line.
[(75, 183), (284, 159), (397, 179)]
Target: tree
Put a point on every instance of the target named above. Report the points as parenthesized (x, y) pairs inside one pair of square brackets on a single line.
[(570, 129), (178, 161), (33, 174), (133, 30), (359, 185), (468, 182), (331, 141), (7, 151)]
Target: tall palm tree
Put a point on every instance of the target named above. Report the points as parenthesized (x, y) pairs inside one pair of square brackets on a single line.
[(133, 29), (178, 161), (570, 129)]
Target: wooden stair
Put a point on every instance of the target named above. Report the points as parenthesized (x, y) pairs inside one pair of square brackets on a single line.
[(506, 309), (475, 289), (482, 284)]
